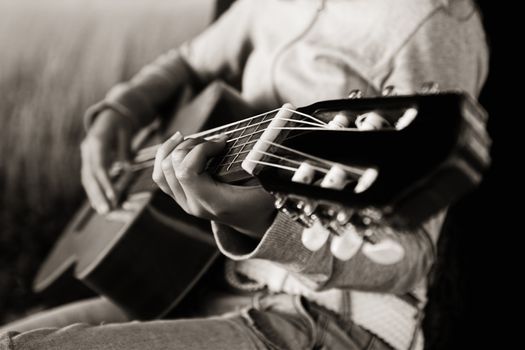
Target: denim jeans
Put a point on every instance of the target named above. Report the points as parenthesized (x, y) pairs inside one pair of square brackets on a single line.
[(274, 321)]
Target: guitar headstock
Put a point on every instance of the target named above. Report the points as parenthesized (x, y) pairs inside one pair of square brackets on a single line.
[(389, 159)]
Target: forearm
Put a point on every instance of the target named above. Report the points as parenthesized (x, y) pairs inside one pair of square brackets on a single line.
[(141, 98)]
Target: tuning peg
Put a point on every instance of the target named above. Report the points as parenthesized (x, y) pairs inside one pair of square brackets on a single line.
[(366, 180), (408, 117), (430, 87), (347, 244), (388, 90), (280, 201), (343, 217), (309, 208), (355, 94), (283, 204), (315, 236), (384, 252), (294, 208), (340, 121), (372, 121), (304, 174), (335, 178)]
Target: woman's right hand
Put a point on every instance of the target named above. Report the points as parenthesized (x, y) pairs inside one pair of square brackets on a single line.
[(107, 140)]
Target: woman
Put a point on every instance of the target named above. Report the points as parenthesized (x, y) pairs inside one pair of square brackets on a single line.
[(278, 51)]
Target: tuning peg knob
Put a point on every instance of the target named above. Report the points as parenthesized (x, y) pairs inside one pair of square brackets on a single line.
[(372, 121), (366, 180), (340, 121), (315, 236), (384, 252), (335, 178), (304, 174), (408, 117), (347, 244)]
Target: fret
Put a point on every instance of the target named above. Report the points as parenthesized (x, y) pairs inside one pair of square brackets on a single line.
[(244, 143), (241, 143)]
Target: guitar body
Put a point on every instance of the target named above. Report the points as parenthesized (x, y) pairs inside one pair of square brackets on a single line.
[(148, 254)]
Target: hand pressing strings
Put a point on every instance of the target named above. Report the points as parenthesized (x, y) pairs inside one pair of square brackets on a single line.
[(179, 171)]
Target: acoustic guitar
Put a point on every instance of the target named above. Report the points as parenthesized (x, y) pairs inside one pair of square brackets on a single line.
[(392, 160)]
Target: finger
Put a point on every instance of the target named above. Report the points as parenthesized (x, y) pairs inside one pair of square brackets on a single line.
[(199, 188), (162, 153), (98, 168), (91, 185), (179, 153), (168, 175), (194, 163), (169, 166), (94, 192)]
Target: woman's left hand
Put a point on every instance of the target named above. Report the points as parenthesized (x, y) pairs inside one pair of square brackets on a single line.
[(180, 172)]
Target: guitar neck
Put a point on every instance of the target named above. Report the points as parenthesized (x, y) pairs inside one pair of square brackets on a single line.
[(242, 136)]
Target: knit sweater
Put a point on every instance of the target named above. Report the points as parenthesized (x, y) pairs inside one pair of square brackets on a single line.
[(303, 51)]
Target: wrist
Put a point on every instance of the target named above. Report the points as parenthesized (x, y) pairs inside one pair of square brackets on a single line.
[(258, 226)]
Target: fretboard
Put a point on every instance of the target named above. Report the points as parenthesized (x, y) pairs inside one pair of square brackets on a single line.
[(241, 139), (242, 136)]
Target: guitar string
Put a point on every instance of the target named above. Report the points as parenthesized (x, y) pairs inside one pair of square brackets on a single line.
[(275, 165), (144, 157), (348, 168), (263, 130), (268, 163), (242, 133), (149, 157), (202, 133), (246, 120), (323, 170), (150, 151), (318, 123), (153, 148)]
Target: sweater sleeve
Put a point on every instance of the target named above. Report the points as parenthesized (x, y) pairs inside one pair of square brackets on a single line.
[(218, 52), (321, 270)]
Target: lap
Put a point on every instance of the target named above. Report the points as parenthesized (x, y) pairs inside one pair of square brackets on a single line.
[(272, 322), (90, 311)]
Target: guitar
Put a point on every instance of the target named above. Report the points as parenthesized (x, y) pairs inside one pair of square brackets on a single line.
[(392, 160)]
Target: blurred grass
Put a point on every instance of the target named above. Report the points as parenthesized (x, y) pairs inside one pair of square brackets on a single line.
[(56, 58)]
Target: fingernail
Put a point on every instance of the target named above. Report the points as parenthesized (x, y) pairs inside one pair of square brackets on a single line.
[(112, 198), (176, 136), (103, 209), (221, 137)]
